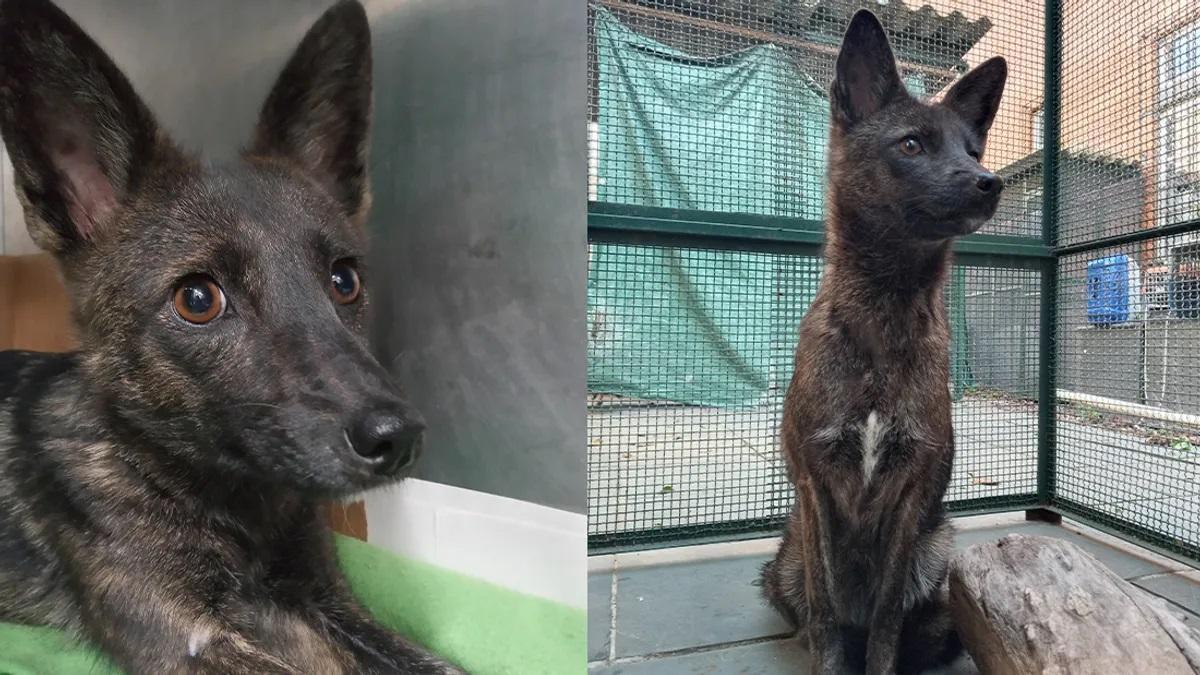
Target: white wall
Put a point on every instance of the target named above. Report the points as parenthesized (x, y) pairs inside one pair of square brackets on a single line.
[(527, 547), (14, 238)]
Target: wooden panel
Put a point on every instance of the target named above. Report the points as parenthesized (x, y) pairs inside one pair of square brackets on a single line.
[(349, 519), (7, 289), (34, 310)]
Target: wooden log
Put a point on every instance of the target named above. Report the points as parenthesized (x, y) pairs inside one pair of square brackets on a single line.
[(1026, 605)]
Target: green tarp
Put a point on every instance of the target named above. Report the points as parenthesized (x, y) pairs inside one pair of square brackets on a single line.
[(699, 326), (688, 325), (486, 629)]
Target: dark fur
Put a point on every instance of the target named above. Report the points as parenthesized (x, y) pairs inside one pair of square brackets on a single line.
[(159, 489), (863, 558)]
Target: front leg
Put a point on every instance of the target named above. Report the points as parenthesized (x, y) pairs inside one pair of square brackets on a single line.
[(320, 586), (150, 622), (376, 649), (887, 617), (824, 634)]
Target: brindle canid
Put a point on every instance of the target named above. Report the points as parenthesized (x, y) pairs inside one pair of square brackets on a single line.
[(159, 488), (866, 429)]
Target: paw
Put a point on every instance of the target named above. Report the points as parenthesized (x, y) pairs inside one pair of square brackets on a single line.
[(830, 662), (883, 645), (881, 664), (429, 665)]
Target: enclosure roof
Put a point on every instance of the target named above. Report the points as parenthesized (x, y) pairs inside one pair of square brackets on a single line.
[(921, 35)]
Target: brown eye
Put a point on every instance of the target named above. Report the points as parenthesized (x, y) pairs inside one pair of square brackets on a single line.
[(911, 146), (344, 279), (198, 299)]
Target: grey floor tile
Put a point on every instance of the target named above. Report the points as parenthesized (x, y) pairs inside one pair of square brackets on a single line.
[(709, 603), (1126, 565), (661, 609), (777, 657), (1191, 618), (1181, 589), (599, 615)]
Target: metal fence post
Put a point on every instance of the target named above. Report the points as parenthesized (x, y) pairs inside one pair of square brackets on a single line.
[(1047, 364)]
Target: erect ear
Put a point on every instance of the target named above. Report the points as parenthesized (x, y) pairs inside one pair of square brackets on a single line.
[(318, 115), (976, 96), (865, 79), (80, 139)]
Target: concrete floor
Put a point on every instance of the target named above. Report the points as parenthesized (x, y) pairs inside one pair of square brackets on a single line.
[(655, 467), (697, 610)]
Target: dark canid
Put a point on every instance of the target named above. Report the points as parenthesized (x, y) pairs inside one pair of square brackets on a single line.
[(159, 488), (866, 431)]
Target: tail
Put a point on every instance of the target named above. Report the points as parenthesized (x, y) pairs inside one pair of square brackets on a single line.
[(783, 583), (774, 594)]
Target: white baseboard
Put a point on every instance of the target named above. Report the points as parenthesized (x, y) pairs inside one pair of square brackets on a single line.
[(523, 546)]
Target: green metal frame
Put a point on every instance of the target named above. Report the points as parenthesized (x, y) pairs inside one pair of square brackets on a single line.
[(1047, 391), (757, 528), (635, 224), (796, 235)]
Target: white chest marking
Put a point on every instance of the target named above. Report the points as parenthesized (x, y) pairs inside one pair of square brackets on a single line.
[(198, 640), (872, 433)]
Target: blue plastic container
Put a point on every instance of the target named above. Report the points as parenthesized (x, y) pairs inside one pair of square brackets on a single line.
[(1108, 290)]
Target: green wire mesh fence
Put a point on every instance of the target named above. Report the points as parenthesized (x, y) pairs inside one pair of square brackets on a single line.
[(1074, 311), (1127, 437)]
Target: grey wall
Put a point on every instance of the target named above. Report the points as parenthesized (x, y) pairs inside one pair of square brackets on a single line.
[(1099, 199), (1150, 362), (480, 180), (203, 67), (1103, 361), (1002, 310), (479, 222)]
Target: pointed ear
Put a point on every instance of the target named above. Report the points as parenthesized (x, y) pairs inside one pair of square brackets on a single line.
[(866, 78), (318, 115), (80, 139), (976, 96)]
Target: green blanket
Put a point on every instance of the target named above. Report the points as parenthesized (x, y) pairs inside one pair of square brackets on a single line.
[(486, 629)]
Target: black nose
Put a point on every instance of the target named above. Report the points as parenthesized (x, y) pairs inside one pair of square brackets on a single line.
[(390, 442), (989, 182)]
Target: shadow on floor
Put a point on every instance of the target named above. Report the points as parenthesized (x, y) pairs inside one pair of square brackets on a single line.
[(706, 616)]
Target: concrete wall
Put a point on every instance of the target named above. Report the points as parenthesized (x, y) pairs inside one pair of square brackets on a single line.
[(1104, 361), (1153, 362), (1172, 359), (1002, 309), (480, 170), (1098, 199)]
